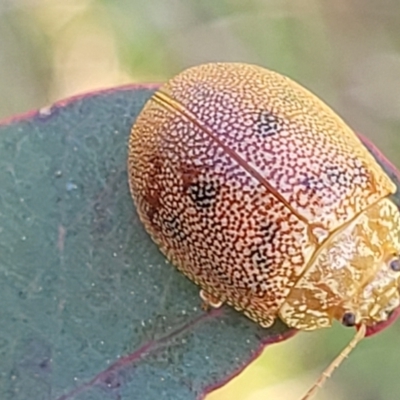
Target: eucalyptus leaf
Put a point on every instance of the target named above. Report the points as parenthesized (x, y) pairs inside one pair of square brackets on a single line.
[(89, 308)]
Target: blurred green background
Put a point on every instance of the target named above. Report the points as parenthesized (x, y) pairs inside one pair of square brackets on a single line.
[(347, 52)]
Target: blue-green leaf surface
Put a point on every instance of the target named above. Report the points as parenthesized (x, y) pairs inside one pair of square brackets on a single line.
[(89, 309)]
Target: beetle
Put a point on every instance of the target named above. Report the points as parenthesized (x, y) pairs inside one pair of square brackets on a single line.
[(262, 195)]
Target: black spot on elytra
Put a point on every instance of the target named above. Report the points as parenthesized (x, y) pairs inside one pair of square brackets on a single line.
[(171, 224), (270, 231), (261, 260), (268, 124), (172, 227), (203, 193), (338, 175), (330, 175)]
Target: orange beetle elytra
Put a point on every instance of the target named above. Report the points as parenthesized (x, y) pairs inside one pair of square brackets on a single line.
[(261, 195)]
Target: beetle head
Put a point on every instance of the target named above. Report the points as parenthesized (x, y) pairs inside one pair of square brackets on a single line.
[(353, 277)]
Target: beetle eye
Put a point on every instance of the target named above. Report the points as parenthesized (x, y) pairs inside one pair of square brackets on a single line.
[(394, 264), (349, 319)]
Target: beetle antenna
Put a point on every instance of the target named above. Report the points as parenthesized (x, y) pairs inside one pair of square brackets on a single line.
[(336, 362)]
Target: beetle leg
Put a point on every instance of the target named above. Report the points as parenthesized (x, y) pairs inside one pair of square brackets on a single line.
[(209, 301), (265, 321)]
